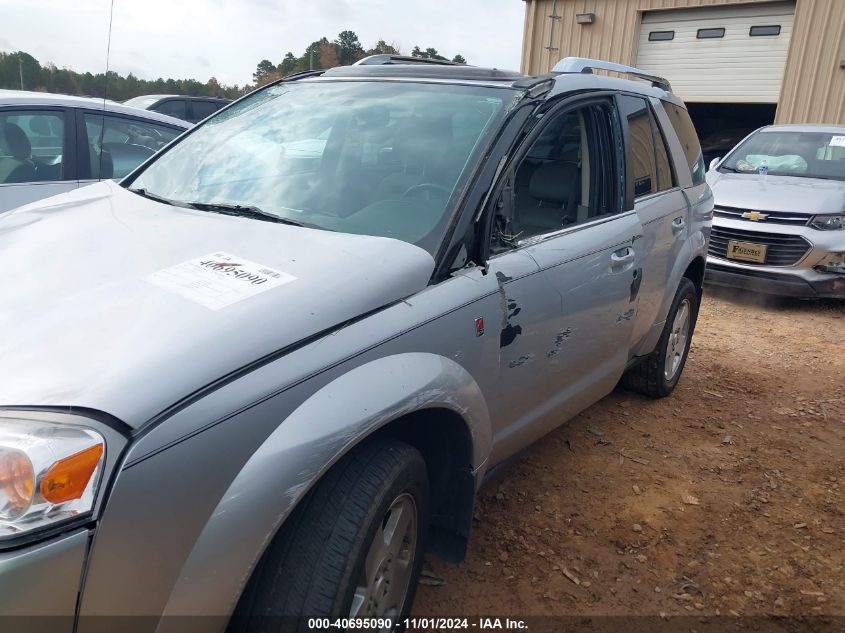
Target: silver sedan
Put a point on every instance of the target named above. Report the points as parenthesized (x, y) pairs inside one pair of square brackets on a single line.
[(779, 221)]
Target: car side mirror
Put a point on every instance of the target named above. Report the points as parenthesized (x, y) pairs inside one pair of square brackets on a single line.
[(714, 163)]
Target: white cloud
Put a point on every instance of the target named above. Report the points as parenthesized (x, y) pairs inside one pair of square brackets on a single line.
[(200, 38)]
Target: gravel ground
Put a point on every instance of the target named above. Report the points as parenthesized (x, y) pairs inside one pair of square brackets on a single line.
[(724, 499)]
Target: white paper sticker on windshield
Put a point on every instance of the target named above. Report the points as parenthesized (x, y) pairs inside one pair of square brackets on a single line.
[(837, 141), (219, 279)]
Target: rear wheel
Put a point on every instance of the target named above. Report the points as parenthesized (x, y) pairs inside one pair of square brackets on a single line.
[(657, 374), (353, 549)]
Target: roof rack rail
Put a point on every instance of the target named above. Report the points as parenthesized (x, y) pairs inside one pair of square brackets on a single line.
[(385, 58), (585, 65), (305, 74)]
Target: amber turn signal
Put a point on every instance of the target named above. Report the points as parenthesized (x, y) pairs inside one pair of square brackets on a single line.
[(68, 478), (16, 482)]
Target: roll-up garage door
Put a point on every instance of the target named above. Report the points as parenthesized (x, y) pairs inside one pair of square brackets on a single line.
[(723, 54)]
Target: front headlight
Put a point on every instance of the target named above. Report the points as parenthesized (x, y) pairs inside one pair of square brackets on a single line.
[(828, 222), (49, 472)]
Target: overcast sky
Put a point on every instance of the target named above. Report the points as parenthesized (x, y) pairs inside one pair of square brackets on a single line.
[(227, 38)]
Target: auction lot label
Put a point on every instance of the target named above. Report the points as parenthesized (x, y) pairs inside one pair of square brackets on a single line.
[(219, 279)]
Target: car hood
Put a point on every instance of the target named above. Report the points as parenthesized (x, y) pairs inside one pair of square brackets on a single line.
[(777, 193), (114, 302)]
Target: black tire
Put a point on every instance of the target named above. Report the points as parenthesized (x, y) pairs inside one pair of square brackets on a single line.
[(314, 564), (648, 377)]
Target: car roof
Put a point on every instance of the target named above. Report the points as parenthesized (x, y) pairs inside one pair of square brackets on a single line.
[(805, 127), (188, 97), (402, 69), (36, 99)]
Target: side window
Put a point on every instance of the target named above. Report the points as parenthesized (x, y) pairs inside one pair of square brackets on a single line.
[(117, 145), (172, 107), (566, 177), (639, 150), (31, 146), (665, 178), (202, 109), (689, 140)]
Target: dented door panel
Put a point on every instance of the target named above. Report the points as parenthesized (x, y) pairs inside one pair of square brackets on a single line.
[(665, 218), (576, 358)]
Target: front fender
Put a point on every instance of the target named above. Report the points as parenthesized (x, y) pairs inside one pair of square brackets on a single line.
[(301, 449)]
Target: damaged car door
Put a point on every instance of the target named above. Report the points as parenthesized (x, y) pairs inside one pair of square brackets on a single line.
[(569, 313)]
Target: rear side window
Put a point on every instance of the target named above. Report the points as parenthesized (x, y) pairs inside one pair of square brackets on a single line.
[(203, 109), (689, 140), (172, 107), (649, 170), (665, 179), (639, 150), (31, 146), (117, 145)]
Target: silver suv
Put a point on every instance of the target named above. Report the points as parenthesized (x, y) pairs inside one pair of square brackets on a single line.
[(779, 223), (268, 370)]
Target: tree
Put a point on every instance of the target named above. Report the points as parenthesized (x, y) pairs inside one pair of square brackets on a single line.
[(459, 59), (213, 88), (349, 49), (25, 66), (288, 65), (311, 57), (383, 48), (49, 78), (265, 69), (328, 54), (429, 53)]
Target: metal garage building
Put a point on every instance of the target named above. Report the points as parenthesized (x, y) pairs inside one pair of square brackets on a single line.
[(737, 63)]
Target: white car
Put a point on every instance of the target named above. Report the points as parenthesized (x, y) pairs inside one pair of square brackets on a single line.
[(779, 221), (50, 144)]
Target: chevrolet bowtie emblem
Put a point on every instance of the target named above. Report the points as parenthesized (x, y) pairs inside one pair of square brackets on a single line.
[(755, 216)]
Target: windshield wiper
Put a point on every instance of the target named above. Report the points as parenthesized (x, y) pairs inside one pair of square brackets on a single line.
[(151, 196), (730, 169), (242, 211)]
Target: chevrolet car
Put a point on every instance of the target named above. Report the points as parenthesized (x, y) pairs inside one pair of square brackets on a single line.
[(779, 225)]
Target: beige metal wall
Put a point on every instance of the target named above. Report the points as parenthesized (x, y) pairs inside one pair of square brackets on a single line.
[(814, 82)]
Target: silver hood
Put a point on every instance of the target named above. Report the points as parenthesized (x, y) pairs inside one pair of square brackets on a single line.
[(777, 193), (96, 312)]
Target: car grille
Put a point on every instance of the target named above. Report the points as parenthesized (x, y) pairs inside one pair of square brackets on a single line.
[(781, 250), (772, 217)]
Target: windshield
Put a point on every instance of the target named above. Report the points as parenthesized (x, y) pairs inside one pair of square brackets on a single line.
[(807, 154), (376, 158), (141, 102)]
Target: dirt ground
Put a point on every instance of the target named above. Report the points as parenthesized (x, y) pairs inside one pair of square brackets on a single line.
[(724, 499)]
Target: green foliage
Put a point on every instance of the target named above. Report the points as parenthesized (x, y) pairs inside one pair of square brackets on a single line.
[(288, 64), (320, 54), (429, 53), (383, 48), (349, 49), (263, 72), (49, 78)]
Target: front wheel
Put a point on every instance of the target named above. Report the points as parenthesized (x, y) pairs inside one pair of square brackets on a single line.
[(657, 374), (353, 549)]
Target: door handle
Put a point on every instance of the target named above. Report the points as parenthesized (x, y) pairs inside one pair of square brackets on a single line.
[(678, 225), (622, 258)]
